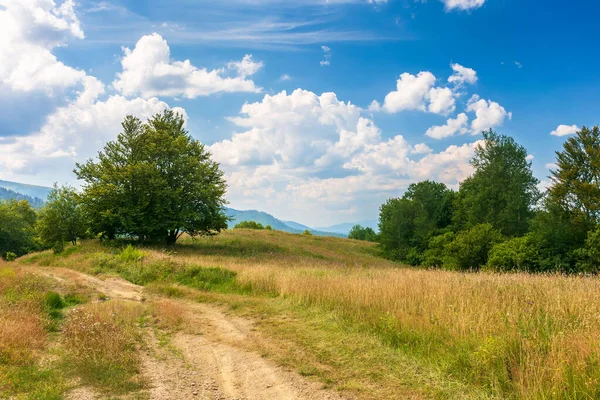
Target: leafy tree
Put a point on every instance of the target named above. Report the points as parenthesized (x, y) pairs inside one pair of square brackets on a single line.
[(61, 219), (362, 233), (436, 250), (249, 225), (307, 233), (502, 191), (407, 224), (470, 248), (155, 182), (576, 180), (17, 228), (589, 255)]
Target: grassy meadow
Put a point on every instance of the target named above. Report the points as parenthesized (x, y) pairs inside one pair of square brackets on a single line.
[(334, 310)]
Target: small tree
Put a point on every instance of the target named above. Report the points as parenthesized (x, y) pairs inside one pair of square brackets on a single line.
[(61, 219), (249, 225), (17, 228), (470, 249), (154, 182)]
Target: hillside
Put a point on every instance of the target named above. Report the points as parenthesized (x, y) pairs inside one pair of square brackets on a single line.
[(345, 228), (41, 192), (259, 314), (7, 194)]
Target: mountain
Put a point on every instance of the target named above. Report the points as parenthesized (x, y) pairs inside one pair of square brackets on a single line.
[(344, 228), (297, 226), (7, 194), (264, 218), (41, 192)]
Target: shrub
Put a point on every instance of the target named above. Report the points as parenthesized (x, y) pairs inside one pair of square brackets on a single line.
[(434, 255), (54, 301), (588, 257), (519, 253), (470, 248), (268, 228), (131, 254), (307, 233), (249, 225), (10, 256)]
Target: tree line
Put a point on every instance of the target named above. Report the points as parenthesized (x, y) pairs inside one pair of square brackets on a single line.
[(152, 184), (499, 219)]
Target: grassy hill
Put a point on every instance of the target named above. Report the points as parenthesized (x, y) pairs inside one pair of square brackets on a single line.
[(333, 310), (7, 194)]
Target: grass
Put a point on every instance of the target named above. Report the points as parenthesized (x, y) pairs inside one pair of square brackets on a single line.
[(334, 310)]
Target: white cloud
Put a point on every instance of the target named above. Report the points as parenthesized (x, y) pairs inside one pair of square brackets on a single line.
[(29, 31), (530, 157), (326, 56), (551, 166), (149, 71), (73, 133), (410, 92), (301, 151), (456, 126), (417, 92), (489, 114), (441, 101), (462, 75), (565, 130), (285, 77), (462, 4)]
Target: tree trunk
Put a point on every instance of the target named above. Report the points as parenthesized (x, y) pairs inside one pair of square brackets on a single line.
[(171, 237)]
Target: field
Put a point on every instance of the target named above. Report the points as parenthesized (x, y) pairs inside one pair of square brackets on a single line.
[(329, 311)]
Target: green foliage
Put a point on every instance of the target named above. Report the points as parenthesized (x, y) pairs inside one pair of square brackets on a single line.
[(249, 225), (10, 256), (588, 257), (268, 228), (61, 219), (436, 250), (17, 228), (130, 254), (407, 224), (470, 248), (502, 191), (516, 254), (359, 233), (307, 233), (155, 182), (54, 301), (7, 194)]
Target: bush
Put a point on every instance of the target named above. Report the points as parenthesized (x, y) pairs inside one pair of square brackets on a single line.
[(434, 255), (519, 253), (249, 225), (10, 256), (588, 257), (131, 254), (470, 248), (54, 301), (268, 228), (307, 233)]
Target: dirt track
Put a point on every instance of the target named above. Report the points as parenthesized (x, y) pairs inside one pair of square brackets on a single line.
[(214, 362)]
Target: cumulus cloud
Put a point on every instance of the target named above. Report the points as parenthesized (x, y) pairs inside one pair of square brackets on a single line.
[(462, 5), (417, 92), (456, 126), (149, 71), (29, 31), (73, 132), (489, 114), (300, 150), (565, 130), (462, 75)]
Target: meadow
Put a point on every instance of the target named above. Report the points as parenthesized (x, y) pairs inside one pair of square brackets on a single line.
[(334, 310)]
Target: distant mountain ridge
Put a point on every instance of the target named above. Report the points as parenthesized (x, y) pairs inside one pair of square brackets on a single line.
[(38, 194)]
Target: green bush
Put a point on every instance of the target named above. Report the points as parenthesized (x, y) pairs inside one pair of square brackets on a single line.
[(54, 301), (10, 256), (131, 254), (519, 253), (470, 249), (249, 225), (307, 233), (268, 228), (588, 257), (436, 248)]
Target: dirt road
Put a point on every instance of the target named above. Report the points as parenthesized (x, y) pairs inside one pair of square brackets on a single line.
[(214, 359)]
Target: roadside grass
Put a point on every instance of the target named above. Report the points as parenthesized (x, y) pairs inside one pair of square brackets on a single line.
[(102, 341), (430, 333)]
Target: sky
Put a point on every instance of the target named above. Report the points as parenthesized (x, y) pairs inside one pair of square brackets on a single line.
[(317, 110)]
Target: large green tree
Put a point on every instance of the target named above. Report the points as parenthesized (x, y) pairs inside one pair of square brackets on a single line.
[(61, 219), (154, 182), (576, 180), (502, 191), (17, 227)]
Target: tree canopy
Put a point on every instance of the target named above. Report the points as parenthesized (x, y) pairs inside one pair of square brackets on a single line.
[(61, 219), (154, 182)]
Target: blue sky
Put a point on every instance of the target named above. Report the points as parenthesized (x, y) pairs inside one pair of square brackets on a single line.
[(317, 110)]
